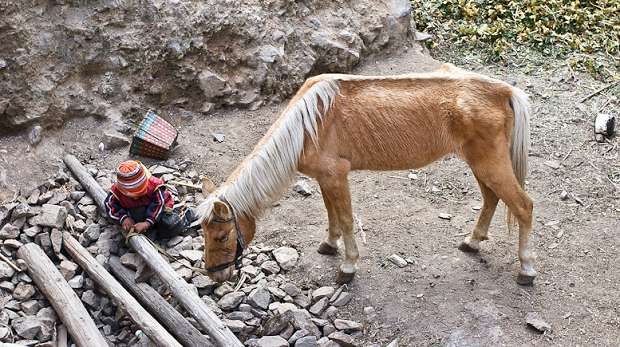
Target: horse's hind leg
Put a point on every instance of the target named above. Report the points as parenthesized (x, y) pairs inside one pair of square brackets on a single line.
[(472, 241), (492, 166)]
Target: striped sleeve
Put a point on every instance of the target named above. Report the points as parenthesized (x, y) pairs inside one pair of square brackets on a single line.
[(156, 207), (114, 208)]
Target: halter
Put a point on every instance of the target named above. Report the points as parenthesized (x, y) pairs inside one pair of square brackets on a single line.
[(240, 243)]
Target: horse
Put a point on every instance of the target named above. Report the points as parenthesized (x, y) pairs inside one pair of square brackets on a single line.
[(337, 123)]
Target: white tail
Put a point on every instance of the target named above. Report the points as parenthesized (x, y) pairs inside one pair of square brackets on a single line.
[(520, 134)]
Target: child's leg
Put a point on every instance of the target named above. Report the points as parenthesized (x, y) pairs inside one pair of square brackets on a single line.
[(170, 224)]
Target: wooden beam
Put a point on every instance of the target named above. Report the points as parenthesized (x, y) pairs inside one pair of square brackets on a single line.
[(117, 293), (66, 303), (160, 308), (182, 291)]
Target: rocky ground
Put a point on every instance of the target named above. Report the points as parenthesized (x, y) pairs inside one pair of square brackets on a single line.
[(441, 296), (263, 306)]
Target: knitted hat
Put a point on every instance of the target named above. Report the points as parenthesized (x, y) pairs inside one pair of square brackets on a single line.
[(132, 178)]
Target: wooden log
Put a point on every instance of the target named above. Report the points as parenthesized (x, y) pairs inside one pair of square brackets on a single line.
[(160, 308), (184, 293), (64, 300), (61, 336), (219, 333), (121, 297)]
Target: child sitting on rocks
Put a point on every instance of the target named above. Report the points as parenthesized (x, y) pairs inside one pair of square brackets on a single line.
[(141, 202)]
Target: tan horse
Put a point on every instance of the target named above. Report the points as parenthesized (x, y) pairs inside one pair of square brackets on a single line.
[(338, 123)]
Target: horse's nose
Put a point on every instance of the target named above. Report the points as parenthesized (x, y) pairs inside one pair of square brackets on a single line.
[(222, 276)]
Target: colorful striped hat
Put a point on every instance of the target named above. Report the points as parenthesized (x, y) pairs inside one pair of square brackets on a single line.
[(132, 178)]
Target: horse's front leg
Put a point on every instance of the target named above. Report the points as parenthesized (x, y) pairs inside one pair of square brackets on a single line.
[(335, 189), (330, 245)]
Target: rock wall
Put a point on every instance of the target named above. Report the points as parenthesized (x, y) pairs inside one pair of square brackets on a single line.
[(67, 58)]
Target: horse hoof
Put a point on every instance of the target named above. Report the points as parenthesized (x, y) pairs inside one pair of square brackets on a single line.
[(464, 247), (525, 280), (344, 277), (326, 249)]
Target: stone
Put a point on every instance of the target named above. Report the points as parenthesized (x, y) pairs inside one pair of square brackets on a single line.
[(554, 164), (343, 339), (259, 298), (281, 308), (302, 301), (76, 195), (342, 299), (57, 198), (277, 292), (298, 335), (27, 327), (302, 187), (445, 216), (33, 231), (306, 341), (319, 306), (76, 282), (132, 260), (218, 137), (322, 292), (328, 329), (343, 324), (23, 291), (211, 304), (291, 289), (92, 232), (56, 238), (9, 231), (211, 84), (236, 326), (330, 312), (223, 290), (230, 301), (301, 319), (33, 198), (288, 332), (534, 320), (203, 282), (251, 270), (160, 170), (286, 257), (22, 210), (238, 315), (68, 269), (91, 299), (90, 211), (113, 140), (4, 333), (192, 255), (271, 341), (51, 216), (397, 260), (30, 307), (86, 200)]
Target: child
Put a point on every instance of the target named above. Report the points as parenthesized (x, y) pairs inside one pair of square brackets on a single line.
[(140, 201)]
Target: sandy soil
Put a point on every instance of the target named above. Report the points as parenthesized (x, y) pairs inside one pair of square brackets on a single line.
[(446, 297)]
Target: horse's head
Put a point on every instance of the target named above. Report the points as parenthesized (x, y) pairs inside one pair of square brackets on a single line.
[(226, 234)]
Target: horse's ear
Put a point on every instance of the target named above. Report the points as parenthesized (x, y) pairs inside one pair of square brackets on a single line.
[(207, 186), (221, 210)]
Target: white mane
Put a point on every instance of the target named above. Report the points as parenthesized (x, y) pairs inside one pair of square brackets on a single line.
[(271, 168)]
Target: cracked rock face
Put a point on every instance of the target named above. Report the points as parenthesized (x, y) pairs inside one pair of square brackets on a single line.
[(70, 58)]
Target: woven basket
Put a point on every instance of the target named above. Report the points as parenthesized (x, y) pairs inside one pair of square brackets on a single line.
[(154, 138)]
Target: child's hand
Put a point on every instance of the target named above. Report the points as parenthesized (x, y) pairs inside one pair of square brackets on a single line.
[(141, 227), (127, 224)]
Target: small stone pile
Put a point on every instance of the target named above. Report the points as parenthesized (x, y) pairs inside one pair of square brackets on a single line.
[(262, 307)]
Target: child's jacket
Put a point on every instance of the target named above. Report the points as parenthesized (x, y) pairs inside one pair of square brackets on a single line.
[(155, 200)]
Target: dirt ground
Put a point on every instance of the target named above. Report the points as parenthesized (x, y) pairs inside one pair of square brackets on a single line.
[(446, 297)]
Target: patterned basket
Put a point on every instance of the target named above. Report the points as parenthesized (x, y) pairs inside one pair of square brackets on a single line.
[(154, 138)]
